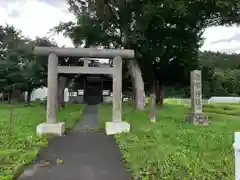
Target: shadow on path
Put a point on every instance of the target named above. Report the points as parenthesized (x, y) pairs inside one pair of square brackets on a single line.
[(85, 155)]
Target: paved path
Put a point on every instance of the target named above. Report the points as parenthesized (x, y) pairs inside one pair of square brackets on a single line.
[(85, 155)]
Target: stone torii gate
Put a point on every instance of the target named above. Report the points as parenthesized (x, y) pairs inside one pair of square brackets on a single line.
[(51, 126)]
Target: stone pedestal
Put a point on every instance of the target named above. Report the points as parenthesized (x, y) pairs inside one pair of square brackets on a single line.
[(54, 129), (112, 128), (196, 119)]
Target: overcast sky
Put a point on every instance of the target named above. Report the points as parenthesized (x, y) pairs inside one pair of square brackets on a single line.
[(36, 17)]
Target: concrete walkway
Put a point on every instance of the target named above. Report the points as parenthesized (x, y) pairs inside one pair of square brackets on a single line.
[(85, 155)]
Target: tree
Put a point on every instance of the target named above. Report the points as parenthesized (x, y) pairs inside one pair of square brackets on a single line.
[(165, 35), (96, 30), (220, 73), (219, 60), (36, 66), (12, 47), (21, 70), (172, 33)]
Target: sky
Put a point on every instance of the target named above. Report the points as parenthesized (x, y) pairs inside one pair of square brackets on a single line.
[(37, 17)]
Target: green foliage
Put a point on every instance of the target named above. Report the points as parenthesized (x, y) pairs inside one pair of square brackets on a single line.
[(20, 69), (220, 76), (165, 35), (22, 147), (223, 108), (223, 83), (11, 53), (219, 60), (171, 149)]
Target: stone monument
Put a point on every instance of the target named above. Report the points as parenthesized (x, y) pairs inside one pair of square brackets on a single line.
[(196, 116)]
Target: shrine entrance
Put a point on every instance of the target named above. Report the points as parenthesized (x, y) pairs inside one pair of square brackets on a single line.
[(117, 125), (93, 90)]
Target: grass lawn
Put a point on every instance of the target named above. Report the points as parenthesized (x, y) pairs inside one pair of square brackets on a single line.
[(22, 147), (172, 149)]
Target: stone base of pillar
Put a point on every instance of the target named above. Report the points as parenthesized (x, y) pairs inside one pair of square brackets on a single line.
[(152, 119), (54, 129), (112, 128), (197, 119)]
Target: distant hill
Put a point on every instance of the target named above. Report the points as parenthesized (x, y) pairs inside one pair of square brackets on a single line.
[(219, 60)]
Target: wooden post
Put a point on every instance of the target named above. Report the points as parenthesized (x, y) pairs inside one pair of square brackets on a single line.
[(52, 88), (152, 109)]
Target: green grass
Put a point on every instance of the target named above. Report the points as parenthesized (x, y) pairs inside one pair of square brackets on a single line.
[(23, 146), (223, 108), (172, 149)]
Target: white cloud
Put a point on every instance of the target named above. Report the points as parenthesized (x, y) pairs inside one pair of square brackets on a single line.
[(218, 39), (37, 17)]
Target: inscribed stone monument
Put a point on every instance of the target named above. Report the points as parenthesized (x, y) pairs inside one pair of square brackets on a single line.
[(196, 116)]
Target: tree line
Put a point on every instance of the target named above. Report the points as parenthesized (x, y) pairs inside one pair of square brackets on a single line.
[(166, 36), (220, 76), (20, 70)]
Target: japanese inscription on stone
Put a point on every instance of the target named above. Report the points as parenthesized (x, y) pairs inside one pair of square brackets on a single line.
[(196, 92)]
